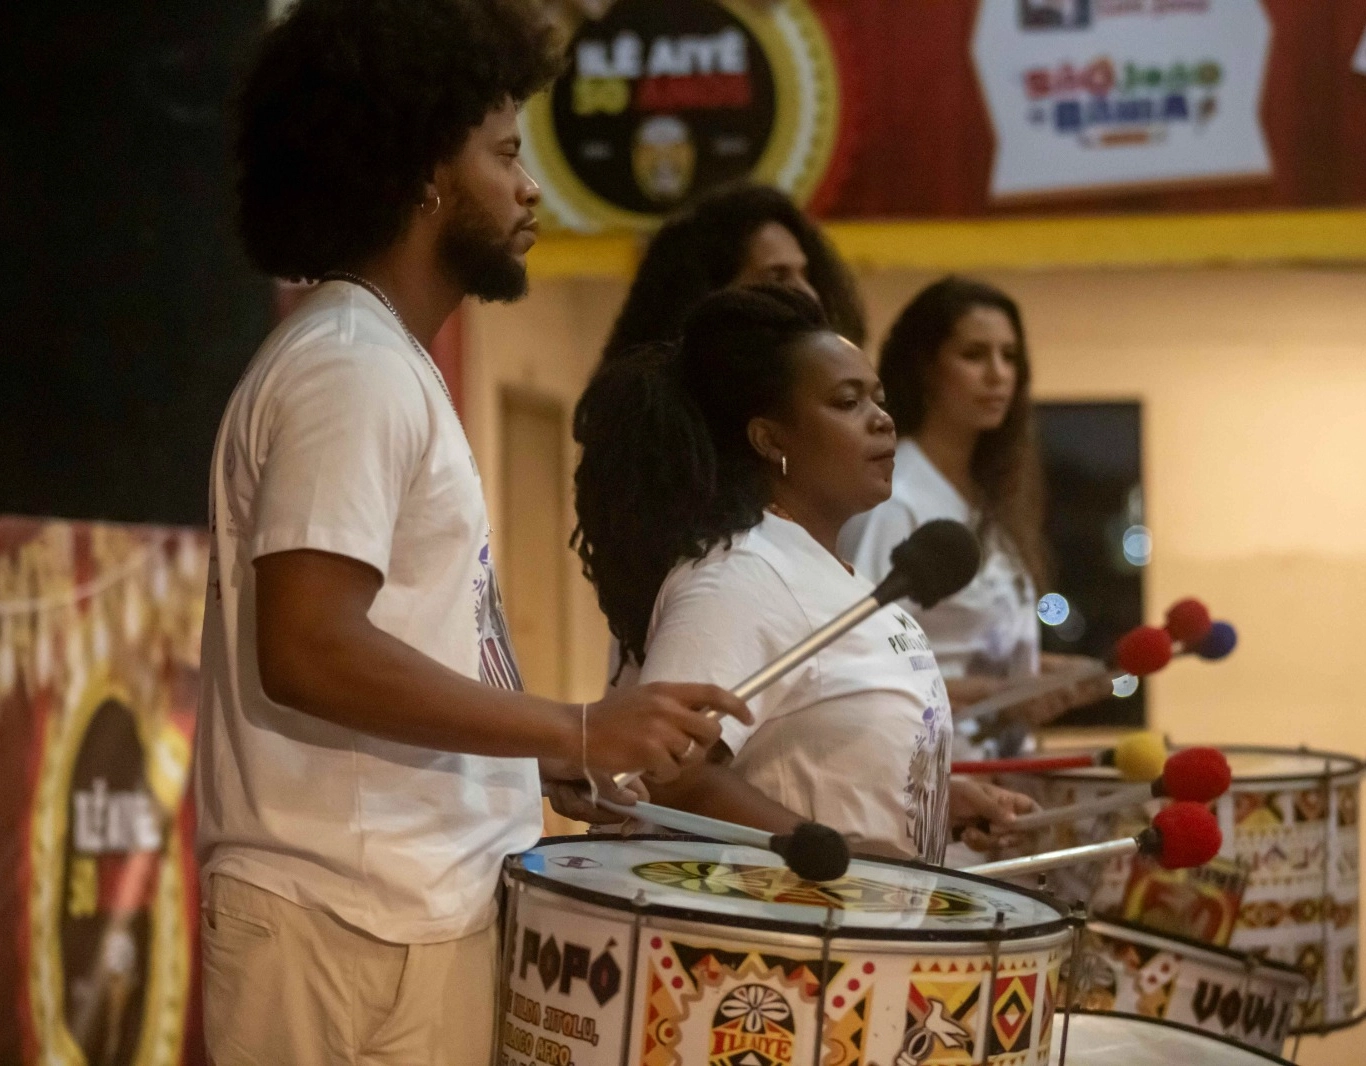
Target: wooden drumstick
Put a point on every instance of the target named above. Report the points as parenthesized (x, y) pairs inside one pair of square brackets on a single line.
[(1194, 775), (1034, 688), (935, 561), (1139, 756), (1141, 652), (1182, 836)]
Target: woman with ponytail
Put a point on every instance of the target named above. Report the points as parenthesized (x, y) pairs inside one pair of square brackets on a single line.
[(715, 478)]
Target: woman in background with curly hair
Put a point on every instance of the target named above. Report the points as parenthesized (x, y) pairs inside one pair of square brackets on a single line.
[(956, 369), (733, 236), (716, 474)]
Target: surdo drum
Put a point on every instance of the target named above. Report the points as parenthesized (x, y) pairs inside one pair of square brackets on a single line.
[(1285, 887), (1128, 969), (675, 952)]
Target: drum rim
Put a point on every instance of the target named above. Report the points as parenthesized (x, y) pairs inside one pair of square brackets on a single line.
[(1355, 767), (514, 870), (1284, 968), (1167, 1023)]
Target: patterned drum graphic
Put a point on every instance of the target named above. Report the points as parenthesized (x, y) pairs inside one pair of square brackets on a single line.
[(673, 952), (1286, 885), (1128, 969), (1101, 1039)]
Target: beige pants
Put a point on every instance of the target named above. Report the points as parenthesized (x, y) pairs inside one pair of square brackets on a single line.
[(287, 985)]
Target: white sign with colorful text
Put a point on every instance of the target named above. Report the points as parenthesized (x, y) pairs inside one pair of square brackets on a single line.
[(1089, 95)]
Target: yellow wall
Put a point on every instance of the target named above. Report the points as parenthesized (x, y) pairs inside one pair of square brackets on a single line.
[(1253, 384)]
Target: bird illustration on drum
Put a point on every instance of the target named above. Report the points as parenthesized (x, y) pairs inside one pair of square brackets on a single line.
[(937, 1028)]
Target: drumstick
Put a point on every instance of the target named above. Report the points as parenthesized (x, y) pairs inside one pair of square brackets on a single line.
[(1181, 836), (1138, 757), (935, 561), (812, 851), (1189, 625), (1142, 651), (1194, 775)]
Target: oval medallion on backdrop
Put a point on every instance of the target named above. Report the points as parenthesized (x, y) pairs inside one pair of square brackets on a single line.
[(110, 951), (663, 101)]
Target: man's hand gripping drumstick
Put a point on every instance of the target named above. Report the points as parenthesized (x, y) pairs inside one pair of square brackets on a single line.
[(320, 654)]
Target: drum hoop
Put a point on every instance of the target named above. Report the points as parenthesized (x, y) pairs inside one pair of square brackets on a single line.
[(1283, 969), (513, 870), (1354, 767), (1327, 1028), (1167, 1023)]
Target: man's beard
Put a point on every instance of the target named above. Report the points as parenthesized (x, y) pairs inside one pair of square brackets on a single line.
[(478, 258)]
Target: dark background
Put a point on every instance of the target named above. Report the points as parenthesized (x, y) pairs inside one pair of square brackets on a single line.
[(1092, 465), (129, 311)]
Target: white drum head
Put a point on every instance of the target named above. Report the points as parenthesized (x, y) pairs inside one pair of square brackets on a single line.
[(1122, 1040), (747, 886)]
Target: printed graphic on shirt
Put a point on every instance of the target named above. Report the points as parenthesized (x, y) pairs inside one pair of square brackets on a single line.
[(911, 642), (926, 796), (497, 662)]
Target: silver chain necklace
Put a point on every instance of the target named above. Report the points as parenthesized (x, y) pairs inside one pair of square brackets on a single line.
[(378, 293)]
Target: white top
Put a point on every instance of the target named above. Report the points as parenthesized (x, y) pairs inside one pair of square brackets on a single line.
[(859, 736), (990, 627), (340, 438)]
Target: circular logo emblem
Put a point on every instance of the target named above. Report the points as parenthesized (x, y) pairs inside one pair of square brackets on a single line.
[(662, 101)]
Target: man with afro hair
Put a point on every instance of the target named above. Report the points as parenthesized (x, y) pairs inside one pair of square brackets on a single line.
[(366, 758)]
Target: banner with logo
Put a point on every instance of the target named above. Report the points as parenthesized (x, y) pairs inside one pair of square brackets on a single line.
[(661, 101), (1116, 94), (888, 109), (99, 659)]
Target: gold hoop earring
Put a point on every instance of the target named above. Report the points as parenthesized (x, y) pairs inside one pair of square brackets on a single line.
[(783, 463), (422, 207)]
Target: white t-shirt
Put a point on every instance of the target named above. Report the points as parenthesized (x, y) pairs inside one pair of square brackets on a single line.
[(990, 627), (340, 438), (858, 737)]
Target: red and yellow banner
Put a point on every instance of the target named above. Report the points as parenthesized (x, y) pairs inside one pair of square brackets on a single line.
[(99, 661), (883, 109)]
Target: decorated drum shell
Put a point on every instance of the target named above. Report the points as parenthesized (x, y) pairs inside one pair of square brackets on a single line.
[(1135, 971), (666, 952), (1290, 826)]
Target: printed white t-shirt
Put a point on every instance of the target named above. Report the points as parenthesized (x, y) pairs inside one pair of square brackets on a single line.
[(858, 737), (340, 438), (989, 628)]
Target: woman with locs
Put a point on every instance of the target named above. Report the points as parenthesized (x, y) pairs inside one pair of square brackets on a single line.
[(715, 477)]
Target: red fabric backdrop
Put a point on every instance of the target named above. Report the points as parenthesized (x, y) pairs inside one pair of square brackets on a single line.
[(924, 142)]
